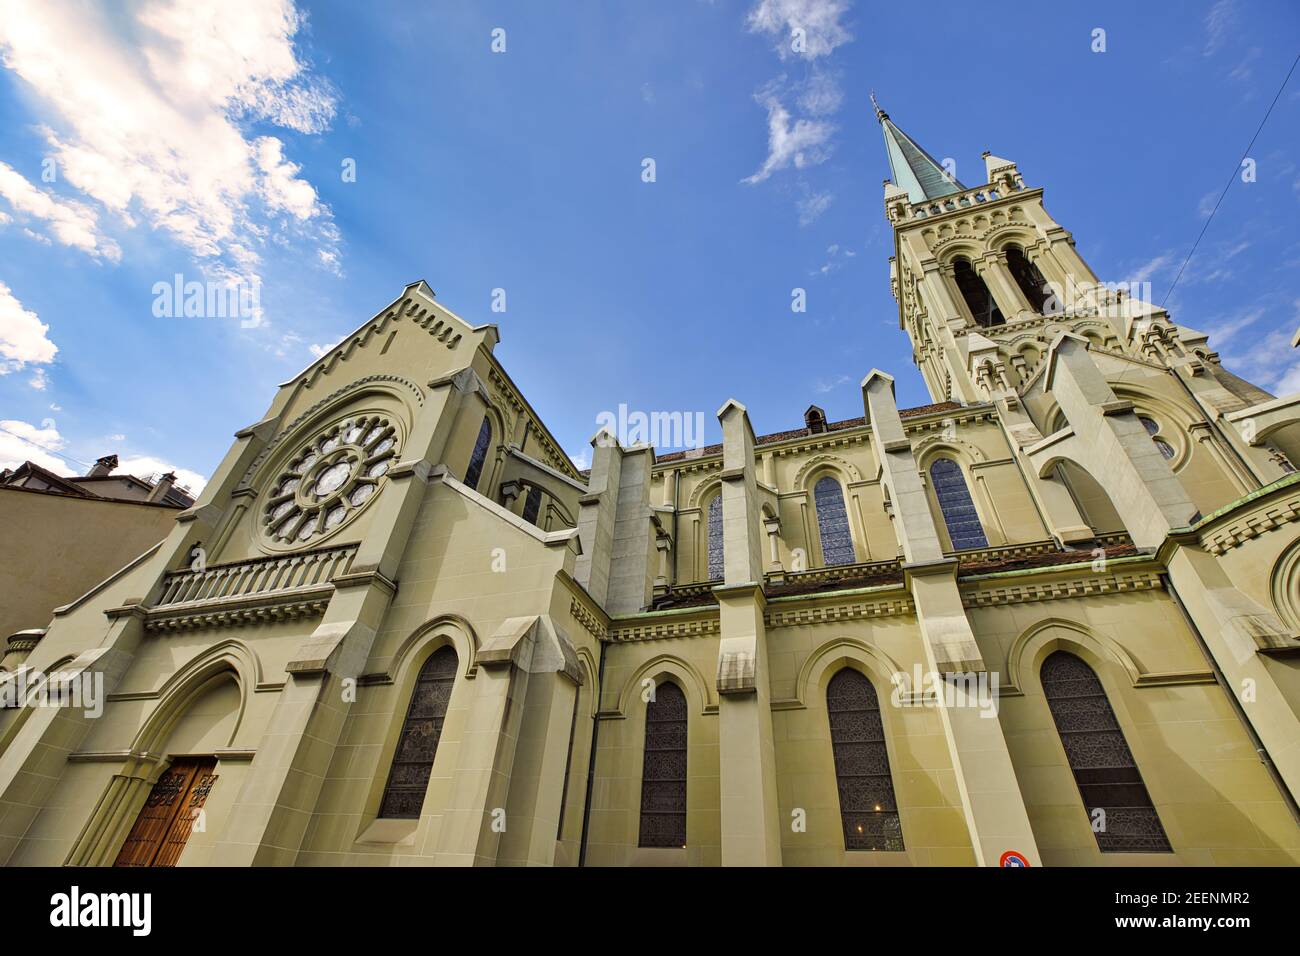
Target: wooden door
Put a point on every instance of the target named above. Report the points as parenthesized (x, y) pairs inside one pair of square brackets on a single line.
[(167, 818)]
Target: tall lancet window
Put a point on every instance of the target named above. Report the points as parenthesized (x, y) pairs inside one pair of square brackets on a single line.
[(413, 761), (959, 514), (976, 294), (1030, 280), (479, 456), (1119, 808), (868, 810), (833, 522), (715, 539), (663, 773)]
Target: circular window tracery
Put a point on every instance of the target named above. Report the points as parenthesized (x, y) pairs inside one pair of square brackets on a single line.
[(330, 479)]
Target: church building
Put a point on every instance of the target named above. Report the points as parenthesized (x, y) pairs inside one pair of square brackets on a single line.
[(1051, 618)]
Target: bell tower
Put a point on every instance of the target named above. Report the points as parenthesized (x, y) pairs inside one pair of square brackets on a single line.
[(987, 280)]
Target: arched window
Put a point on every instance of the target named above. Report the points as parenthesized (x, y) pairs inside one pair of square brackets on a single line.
[(663, 774), (959, 514), (715, 539), (1153, 429), (476, 460), (1119, 807), (532, 504), (413, 761), (868, 810), (833, 522), (1027, 276), (978, 298)]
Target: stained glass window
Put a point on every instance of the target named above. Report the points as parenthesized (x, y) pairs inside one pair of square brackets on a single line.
[(964, 528), (1153, 429), (532, 504), (833, 522), (1119, 808), (868, 810), (413, 762), (476, 460), (663, 775), (715, 539), (329, 479)]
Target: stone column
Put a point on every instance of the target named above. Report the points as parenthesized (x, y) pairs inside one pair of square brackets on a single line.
[(633, 552), (751, 834), (597, 514), (991, 800)]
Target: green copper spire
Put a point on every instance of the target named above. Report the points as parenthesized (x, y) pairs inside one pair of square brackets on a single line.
[(913, 168)]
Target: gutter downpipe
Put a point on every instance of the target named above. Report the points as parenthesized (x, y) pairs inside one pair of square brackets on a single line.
[(591, 760)]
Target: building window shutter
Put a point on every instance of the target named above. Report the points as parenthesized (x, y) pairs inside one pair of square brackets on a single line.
[(663, 774), (408, 778), (1103, 766)]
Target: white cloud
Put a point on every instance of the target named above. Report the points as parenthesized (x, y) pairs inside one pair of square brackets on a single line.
[(144, 105), (1218, 22), (1266, 359), (822, 386), (1222, 332), (820, 94), (817, 23), (20, 442), (1149, 268), (23, 338), (39, 379), (147, 466), (802, 142), (813, 205), (1205, 208), (71, 223)]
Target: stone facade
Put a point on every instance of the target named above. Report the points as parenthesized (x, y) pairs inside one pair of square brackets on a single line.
[(1133, 505)]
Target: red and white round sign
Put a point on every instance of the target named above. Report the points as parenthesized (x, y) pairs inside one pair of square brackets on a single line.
[(1012, 858)]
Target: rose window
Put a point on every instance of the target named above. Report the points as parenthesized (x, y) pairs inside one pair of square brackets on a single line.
[(330, 479)]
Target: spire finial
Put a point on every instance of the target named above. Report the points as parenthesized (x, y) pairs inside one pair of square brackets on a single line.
[(880, 114)]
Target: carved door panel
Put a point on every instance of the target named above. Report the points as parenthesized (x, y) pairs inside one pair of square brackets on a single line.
[(167, 818)]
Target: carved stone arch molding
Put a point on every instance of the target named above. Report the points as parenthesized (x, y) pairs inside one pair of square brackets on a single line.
[(825, 462), (100, 839), (705, 489), (1017, 233), (446, 629), (700, 693), (936, 446), (331, 405), (827, 660), (192, 681), (591, 673), (1051, 634), (1285, 588)]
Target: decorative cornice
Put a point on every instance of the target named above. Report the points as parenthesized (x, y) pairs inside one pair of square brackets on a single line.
[(982, 595), (1224, 535), (696, 624), (275, 607)]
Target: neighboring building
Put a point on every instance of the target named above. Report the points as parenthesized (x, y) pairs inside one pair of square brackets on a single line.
[(60, 536), (423, 637)]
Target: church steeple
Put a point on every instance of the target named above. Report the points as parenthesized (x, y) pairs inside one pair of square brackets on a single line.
[(914, 170)]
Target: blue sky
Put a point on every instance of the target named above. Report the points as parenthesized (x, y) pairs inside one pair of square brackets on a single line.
[(147, 139)]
